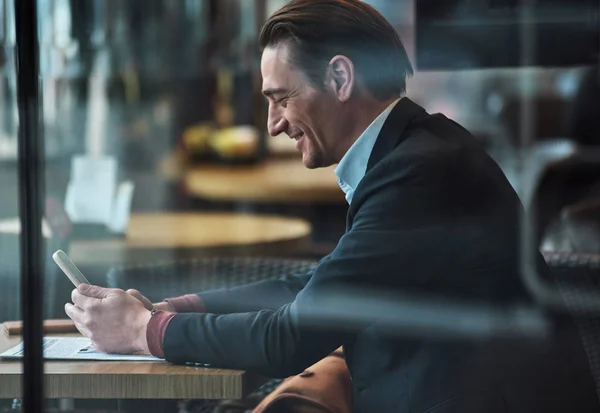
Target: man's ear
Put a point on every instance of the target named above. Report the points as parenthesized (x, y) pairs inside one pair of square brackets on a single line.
[(341, 77)]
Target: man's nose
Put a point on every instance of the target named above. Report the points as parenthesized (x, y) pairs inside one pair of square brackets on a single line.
[(276, 123)]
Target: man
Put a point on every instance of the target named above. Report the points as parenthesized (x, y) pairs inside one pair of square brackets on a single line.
[(429, 212)]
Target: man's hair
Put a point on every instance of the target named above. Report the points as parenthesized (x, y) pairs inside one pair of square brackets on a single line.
[(318, 30)]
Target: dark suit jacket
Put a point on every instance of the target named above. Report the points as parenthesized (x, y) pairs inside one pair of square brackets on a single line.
[(433, 214)]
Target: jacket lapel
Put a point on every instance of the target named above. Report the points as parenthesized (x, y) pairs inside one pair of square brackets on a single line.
[(393, 132)]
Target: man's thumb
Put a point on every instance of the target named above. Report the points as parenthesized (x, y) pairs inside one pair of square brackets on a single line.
[(92, 291), (139, 296)]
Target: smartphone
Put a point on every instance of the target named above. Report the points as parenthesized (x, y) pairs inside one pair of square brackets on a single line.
[(70, 270)]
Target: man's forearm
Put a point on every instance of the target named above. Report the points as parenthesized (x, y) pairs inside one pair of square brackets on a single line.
[(265, 295), (189, 303), (266, 342)]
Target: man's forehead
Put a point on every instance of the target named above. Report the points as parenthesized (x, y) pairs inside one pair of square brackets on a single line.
[(276, 56), (277, 72)]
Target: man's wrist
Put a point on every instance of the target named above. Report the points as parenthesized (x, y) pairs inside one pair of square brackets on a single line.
[(156, 330), (142, 344), (164, 306), (189, 303)]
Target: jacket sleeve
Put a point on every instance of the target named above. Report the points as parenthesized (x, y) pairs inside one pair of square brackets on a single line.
[(262, 295), (382, 246)]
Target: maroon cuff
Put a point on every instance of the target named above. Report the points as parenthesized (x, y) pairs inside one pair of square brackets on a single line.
[(155, 332), (189, 303)]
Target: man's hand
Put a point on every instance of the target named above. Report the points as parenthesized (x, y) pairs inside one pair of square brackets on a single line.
[(164, 306), (114, 320)]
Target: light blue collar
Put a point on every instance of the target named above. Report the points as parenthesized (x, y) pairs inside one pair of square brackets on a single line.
[(353, 166)]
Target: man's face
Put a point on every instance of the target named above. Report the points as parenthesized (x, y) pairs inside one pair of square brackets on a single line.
[(305, 114)]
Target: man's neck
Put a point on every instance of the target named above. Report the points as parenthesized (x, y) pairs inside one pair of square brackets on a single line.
[(362, 114)]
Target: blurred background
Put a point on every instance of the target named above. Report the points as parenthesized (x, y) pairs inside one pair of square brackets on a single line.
[(155, 130), (164, 95)]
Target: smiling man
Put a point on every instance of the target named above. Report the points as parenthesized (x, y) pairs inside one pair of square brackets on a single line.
[(429, 213), (315, 119)]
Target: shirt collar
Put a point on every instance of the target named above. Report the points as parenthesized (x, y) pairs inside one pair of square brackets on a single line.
[(353, 166)]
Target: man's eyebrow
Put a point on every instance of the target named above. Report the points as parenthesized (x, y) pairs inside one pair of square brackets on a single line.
[(271, 92)]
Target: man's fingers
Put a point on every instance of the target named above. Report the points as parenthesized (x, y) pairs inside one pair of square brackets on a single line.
[(93, 291), (84, 331), (135, 293), (75, 313), (85, 296), (140, 297), (82, 301)]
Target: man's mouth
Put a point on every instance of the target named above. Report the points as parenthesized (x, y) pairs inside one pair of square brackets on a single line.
[(299, 141), (297, 137)]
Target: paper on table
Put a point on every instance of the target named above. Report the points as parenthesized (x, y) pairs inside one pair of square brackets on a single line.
[(74, 348)]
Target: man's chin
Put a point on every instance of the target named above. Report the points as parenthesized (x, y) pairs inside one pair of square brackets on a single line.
[(310, 162)]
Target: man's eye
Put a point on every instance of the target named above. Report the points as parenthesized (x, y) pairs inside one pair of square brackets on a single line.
[(282, 102)]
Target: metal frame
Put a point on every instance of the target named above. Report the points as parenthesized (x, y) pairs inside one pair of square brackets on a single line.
[(31, 194)]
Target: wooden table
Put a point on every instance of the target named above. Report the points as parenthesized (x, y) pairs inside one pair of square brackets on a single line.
[(272, 181), (178, 236), (126, 380)]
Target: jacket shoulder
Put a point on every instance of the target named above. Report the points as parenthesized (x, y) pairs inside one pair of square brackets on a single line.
[(435, 154)]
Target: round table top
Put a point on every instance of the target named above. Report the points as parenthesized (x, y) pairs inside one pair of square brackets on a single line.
[(275, 180), (167, 232)]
